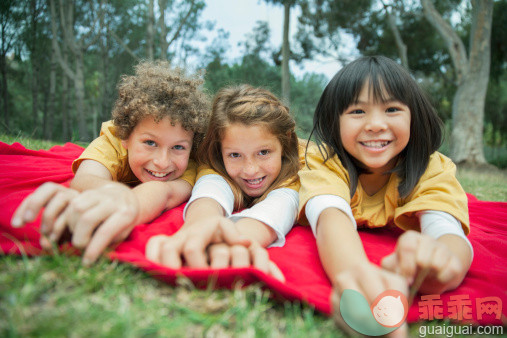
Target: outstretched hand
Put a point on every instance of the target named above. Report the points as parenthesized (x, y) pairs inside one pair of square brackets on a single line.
[(96, 217), (216, 244), (418, 255), (54, 199)]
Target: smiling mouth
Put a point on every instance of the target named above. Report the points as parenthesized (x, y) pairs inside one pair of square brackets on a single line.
[(255, 181), (157, 174), (375, 144)]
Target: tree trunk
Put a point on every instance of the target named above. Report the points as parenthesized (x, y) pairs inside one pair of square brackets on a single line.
[(50, 116), (163, 30), (472, 75), (80, 96), (35, 61), (5, 92), (286, 55), (402, 47), (150, 33), (469, 101)]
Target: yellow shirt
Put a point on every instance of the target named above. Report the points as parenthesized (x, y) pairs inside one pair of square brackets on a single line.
[(437, 189), (108, 150)]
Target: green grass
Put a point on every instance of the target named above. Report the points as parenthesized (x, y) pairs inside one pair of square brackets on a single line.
[(54, 296)]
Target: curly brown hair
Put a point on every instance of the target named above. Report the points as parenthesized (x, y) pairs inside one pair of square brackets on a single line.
[(158, 90), (250, 106)]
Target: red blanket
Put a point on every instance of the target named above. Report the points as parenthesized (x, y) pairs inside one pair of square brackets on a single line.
[(479, 299)]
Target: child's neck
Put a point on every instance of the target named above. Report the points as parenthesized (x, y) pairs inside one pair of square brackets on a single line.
[(373, 183)]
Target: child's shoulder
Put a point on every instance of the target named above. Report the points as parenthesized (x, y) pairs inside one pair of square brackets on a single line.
[(439, 161)]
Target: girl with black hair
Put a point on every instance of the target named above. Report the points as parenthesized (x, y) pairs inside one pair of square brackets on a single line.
[(375, 164)]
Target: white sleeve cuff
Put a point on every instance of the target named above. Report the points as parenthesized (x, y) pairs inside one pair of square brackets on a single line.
[(278, 211), (215, 187), (316, 205), (438, 223)]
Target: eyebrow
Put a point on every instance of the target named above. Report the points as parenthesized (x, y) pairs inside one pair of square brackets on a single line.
[(260, 148), (148, 134)]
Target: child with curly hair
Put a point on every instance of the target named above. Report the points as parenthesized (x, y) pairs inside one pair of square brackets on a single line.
[(140, 165), (249, 163)]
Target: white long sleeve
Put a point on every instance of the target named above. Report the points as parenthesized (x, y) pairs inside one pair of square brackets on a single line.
[(316, 205), (438, 223), (278, 211), (215, 187)]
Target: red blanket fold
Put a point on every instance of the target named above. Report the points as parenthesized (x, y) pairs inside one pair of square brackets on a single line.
[(479, 299)]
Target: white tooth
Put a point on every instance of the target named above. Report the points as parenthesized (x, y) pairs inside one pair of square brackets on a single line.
[(375, 144), (157, 174), (254, 181)]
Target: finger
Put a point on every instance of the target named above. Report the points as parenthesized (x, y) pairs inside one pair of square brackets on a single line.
[(58, 228), (154, 248), (393, 281), (219, 256), (275, 271), (372, 281), (45, 243), (451, 271), (425, 251), (83, 225), (82, 205), (440, 259), (260, 258), (54, 208), (194, 251), (104, 235), (390, 263), (29, 208), (231, 235), (171, 251), (406, 250), (240, 257)]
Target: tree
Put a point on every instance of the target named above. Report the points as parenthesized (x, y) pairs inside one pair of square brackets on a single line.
[(10, 21), (287, 5), (472, 76), (77, 43)]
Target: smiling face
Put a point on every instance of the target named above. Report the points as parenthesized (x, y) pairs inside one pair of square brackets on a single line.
[(252, 157), (158, 151), (375, 132)]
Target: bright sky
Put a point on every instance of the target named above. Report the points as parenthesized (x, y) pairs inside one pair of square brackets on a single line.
[(238, 17)]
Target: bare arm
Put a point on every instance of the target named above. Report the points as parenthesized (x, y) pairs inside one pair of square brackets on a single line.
[(90, 174), (256, 231)]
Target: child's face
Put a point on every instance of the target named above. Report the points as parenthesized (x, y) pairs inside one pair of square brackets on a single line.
[(252, 156), (158, 151), (375, 133)]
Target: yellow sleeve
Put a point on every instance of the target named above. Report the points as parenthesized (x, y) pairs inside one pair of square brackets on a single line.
[(437, 189), (319, 178), (190, 173), (108, 151)]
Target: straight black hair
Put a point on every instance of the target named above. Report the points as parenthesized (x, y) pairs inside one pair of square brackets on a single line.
[(386, 79)]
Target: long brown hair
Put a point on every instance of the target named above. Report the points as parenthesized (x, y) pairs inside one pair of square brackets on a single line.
[(250, 106)]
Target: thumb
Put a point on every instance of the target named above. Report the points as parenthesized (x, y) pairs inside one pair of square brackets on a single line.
[(231, 235), (389, 262)]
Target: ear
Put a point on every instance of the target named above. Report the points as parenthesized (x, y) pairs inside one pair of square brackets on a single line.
[(124, 143)]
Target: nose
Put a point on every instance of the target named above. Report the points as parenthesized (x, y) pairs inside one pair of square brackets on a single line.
[(162, 159), (251, 167), (376, 121)]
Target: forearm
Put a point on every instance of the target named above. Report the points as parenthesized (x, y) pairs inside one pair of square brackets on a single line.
[(256, 230), (340, 247), (155, 197), (203, 209), (462, 251), (82, 183)]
